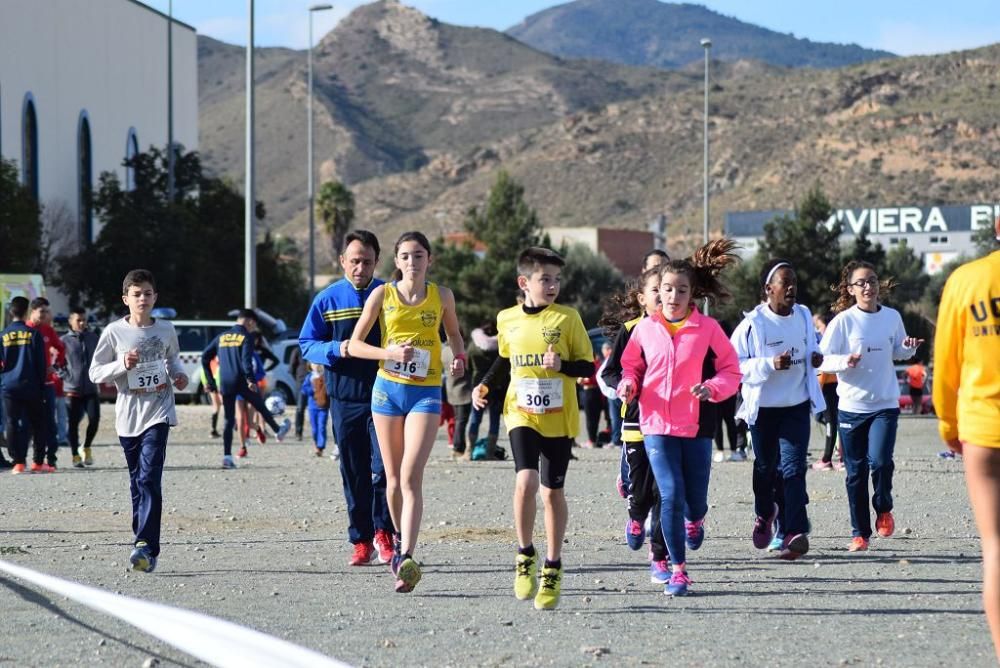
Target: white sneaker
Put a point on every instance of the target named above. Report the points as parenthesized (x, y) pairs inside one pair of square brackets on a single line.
[(335, 453), (738, 456), (279, 435), (228, 462), (719, 456)]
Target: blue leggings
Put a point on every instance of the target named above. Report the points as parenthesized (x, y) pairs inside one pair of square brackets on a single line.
[(317, 420), (681, 467)]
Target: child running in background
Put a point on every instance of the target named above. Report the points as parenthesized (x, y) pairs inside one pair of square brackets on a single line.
[(642, 494), (777, 348), (406, 398), (546, 348), (860, 345), (663, 365), (314, 388)]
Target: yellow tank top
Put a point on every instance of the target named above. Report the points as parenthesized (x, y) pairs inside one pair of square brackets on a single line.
[(419, 325)]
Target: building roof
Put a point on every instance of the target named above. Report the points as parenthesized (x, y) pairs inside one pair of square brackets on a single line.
[(157, 11)]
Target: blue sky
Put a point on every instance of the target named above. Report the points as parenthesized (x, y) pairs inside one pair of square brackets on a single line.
[(906, 27)]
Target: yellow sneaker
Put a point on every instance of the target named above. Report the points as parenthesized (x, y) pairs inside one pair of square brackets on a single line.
[(525, 576), (88, 458), (77, 462), (547, 597)]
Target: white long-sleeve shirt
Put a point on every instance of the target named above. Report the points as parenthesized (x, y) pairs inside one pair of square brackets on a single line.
[(145, 395), (872, 385)]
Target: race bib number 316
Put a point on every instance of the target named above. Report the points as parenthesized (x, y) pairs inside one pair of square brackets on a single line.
[(416, 369), (539, 396), (147, 377)]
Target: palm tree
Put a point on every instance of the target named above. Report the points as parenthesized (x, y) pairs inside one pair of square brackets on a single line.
[(336, 207)]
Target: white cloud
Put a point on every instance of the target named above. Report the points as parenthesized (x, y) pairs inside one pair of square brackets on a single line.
[(910, 39)]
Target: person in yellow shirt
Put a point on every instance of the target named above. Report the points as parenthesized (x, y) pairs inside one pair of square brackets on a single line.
[(967, 401), (406, 397), (546, 347)]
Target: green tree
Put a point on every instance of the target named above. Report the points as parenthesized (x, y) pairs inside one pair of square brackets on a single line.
[(902, 264), (863, 250), (193, 245), (336, 209), (587, 278), (20, 224)]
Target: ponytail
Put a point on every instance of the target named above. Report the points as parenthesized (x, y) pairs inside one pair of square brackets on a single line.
[(703, 269)]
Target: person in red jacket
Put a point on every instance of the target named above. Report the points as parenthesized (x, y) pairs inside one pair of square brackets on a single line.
[(40, 318)]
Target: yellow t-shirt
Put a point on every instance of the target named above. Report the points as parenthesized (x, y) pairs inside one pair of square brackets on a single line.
[(419, 325), (966, 349), (673, 327), (538, 398)]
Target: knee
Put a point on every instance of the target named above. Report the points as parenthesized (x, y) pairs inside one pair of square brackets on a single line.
[(526, 486)]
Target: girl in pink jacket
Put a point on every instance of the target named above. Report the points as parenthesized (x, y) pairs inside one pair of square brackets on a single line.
[(662, 365)]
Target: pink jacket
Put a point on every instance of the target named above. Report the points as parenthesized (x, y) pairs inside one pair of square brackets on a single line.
[(664, 369)]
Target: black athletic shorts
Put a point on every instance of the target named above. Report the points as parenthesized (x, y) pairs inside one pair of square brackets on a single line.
[(529, 447)]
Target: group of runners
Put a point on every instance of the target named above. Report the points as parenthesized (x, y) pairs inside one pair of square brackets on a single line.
[(381, 343)]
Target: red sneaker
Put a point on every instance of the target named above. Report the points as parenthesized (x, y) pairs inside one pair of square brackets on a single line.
[(42, 468), (364, 553), (17, 469), (242, 452), (261, 436), (858, 544), (885, 524), (383, 542)]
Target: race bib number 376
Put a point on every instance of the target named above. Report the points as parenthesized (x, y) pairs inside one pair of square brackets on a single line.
[(539, 396), (147, 377)]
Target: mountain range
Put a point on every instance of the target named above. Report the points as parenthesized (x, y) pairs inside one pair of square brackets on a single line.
[(417, 116)]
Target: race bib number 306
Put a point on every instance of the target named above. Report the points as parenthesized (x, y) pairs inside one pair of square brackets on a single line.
[(416, 369), (539, 396), (147, 377)]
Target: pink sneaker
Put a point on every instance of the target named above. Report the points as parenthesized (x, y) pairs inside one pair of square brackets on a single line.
[(820, 465)]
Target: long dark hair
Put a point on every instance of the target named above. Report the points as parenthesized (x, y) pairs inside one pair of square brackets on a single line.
[(623, 306), (703, 269), (412, 235), (845, 299)]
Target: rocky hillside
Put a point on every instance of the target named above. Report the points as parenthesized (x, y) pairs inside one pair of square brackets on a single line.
[(661, 34)]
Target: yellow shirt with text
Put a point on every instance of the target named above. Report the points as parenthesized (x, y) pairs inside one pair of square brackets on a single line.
[(539, 398), (420, 326)]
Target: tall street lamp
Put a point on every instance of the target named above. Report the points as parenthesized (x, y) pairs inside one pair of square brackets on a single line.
[(249, 232), (309, 158), (707, 45)]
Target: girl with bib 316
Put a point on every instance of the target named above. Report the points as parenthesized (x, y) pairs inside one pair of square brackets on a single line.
[(406, 398)]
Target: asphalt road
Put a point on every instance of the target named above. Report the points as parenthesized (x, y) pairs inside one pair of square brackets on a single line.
[(265, 546)]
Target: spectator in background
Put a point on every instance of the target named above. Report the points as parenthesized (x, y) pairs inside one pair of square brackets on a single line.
[(482, 353), (24, 361), (458, 392), (41, 319), (916, 376), (81, 392), (300, 371)]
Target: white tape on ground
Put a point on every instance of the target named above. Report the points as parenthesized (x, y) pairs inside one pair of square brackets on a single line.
[(213, 640)]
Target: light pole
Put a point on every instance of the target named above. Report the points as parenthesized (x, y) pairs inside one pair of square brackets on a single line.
[(170, 101), (309, 158), (706, 44), (249, 247)]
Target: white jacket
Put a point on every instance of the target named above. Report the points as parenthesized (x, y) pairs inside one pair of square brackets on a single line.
[(757, 367)]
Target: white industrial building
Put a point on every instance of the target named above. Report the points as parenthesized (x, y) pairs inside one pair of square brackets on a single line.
[(83, 84), (936, 234)]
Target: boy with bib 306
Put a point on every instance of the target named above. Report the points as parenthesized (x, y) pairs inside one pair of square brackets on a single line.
[(546, 348)]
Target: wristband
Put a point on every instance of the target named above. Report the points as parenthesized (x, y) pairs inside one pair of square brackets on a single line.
[(460, 356)]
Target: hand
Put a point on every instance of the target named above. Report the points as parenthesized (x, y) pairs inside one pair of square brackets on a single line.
[(550, 360), (853, 360), (701, 392), (954, 445), (479, 393), (457, 367), (817, 360), (783, 361), (181, 381), (343, 349), (252, 386), (212, 388), (912, 342), (131, 359), (403, 353), (626, 391)]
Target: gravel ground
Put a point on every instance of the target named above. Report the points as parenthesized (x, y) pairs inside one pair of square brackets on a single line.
[(265, 546)]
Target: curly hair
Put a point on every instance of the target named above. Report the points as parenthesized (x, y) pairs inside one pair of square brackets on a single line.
[(845, 299), (703, 269), (623, 306)]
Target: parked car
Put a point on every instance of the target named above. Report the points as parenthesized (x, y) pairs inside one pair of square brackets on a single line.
[(906, 401), (597, 339), (281, 379)]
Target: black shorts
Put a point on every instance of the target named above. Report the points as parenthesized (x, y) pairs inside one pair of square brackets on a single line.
[(529, 447)]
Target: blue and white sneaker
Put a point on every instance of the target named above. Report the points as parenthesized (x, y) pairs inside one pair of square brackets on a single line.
[(228, 462), (695, 533), (279, 435), (142, 559), (775, 544), (659, 572)]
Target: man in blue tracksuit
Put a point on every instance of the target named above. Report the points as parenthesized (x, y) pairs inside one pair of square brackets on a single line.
[(349, 382), (24, 363), (235, 348)]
